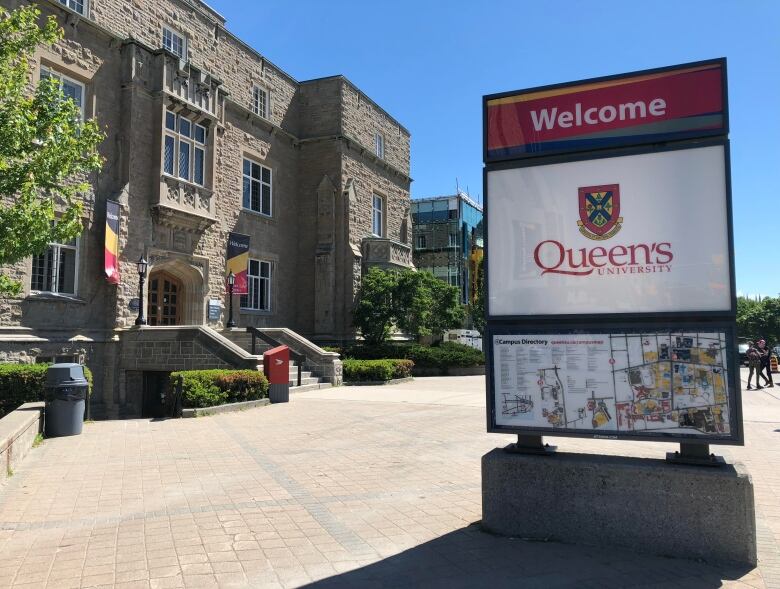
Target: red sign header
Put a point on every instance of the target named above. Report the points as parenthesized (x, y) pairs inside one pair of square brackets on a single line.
[(646, 107)]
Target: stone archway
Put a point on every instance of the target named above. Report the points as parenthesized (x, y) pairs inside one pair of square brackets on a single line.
[(188, 282)]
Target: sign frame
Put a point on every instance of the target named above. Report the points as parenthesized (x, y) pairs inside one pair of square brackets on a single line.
[(626, 142), (214, 308), (736, 436), (719, 320), (603, 154)]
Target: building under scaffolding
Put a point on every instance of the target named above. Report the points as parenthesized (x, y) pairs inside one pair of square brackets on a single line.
[(448, 238)]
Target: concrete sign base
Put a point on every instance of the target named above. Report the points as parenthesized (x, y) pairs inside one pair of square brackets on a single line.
[(642, 504)]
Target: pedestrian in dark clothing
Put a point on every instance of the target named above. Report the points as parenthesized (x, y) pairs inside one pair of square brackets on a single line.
[(754, 364), (766, 357)]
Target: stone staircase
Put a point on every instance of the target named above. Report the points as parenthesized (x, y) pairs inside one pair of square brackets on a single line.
[(309, 380)]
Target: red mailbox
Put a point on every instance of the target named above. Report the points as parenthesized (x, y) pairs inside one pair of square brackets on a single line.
[(276, 365)]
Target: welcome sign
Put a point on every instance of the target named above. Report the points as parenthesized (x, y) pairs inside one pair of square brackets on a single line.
[(610, 277), (662, 105)]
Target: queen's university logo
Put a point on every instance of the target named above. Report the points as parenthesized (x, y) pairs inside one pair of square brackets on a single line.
[(600, 211)]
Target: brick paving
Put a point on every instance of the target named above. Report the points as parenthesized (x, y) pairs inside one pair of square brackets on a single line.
[(351, 487)]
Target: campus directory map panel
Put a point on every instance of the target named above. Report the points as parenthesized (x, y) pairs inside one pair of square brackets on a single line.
[(652, 383)]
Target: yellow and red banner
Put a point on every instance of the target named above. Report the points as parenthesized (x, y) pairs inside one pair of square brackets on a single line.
[(631, 109), (112, 242), (238, 261)]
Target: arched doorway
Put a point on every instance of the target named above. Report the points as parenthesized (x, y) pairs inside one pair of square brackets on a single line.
[(166, 299), (186, 306)]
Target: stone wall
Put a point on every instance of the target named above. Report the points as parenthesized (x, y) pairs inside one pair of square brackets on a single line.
[(320, 107), (369, 178), (363, 118), (273, 239), (170, 355), (18, 431)]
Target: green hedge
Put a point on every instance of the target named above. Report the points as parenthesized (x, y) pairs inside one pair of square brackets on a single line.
[(207, 388), (445, 355), (25, 383), (376, 370)]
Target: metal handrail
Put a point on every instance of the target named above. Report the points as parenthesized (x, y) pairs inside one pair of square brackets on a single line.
[(256, 333)]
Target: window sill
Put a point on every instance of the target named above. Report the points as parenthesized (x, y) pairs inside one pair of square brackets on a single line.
[(243, 311), (71, 10), (49, 297), (259, 215), (200, 187)]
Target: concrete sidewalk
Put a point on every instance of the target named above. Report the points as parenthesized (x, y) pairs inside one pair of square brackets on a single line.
[(351, 487)]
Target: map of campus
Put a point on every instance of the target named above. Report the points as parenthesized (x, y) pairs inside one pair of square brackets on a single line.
[(613, 383)]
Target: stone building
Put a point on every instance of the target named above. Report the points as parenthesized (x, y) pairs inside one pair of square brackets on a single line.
[(206, 136)]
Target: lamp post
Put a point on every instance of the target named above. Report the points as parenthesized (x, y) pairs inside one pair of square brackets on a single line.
[(231, 280), (142, 266)]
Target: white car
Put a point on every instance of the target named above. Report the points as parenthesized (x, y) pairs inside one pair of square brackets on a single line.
[(468, 337)]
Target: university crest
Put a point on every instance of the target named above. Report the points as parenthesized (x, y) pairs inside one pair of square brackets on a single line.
[(600, 211)]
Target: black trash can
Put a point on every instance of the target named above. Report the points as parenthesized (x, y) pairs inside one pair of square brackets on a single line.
[(66, 394)]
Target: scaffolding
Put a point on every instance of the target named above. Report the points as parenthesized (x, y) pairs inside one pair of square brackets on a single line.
[(446, 232)]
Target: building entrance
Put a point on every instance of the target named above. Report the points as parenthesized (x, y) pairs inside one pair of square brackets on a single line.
[(166, 299), (155, 386)]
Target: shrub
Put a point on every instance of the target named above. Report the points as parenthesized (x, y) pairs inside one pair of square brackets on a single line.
[(376, 370), (444, 355), (402, 368), (207, 388), (449, 354), (25, 383)]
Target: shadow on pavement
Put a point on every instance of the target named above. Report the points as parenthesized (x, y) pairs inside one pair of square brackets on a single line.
[(472, 558)]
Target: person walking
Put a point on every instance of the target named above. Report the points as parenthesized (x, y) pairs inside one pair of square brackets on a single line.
[(754, 364), (766, 358)]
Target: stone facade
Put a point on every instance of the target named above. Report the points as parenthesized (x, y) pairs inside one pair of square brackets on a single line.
[(317, 138)]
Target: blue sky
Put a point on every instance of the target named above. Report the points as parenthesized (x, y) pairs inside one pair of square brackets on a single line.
[(428, 63)]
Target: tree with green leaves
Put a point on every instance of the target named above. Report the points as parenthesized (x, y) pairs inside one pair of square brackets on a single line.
[(417, 303), (414, 303), (447, 313), (374, 312), (46, 150), (759, 318)]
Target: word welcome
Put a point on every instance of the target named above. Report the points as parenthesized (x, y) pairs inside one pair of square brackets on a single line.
[(552, 257), (548, 118)]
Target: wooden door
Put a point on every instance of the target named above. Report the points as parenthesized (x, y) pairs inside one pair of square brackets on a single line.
[(165, 299)]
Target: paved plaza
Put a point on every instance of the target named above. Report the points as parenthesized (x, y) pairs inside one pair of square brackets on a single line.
[(350, 487)]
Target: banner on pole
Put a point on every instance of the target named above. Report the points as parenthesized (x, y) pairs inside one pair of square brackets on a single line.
[(238, 261), (112, 242)]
